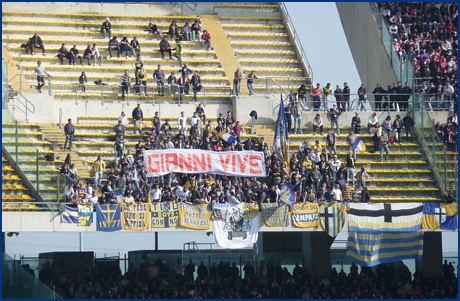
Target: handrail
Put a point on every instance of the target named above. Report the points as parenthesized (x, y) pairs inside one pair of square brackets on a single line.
[(290, 25), (26, 105), (60, 119), (195, 4)]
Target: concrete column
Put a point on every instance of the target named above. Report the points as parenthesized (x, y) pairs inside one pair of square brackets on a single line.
[(432, 254), (307, 250), (321, 253), (260, 247), (3, 242)]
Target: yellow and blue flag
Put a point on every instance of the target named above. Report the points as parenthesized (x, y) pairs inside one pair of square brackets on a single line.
[(85, 215), (108, 218), (227, 137), (287, 194), (359, 145), (440, 216), (69, 214)]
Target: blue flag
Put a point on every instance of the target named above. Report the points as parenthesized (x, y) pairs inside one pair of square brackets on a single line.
[(85, 215), (359, 145), (287, 194), (108, 218), (280, 146)]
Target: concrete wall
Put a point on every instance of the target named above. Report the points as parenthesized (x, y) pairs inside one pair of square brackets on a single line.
[(265, 108), (366, 46)]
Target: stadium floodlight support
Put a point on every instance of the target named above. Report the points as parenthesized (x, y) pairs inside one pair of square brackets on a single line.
[(290, 27)]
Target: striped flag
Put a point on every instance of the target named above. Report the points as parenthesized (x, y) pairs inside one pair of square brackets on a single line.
[(359, 145), (227, 137), (384, 233), (69, 214), (332, 218), (440, 216), (280, 145)]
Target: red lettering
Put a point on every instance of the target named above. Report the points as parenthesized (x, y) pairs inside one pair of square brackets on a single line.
[(185, 163), (208, 156), (234, 163), (242, 162), (253, 165), (199, 162), (224, 161), (153, 163), (171, 159)]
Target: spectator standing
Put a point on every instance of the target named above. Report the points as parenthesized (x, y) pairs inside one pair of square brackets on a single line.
[(448, 95), (361, 177), (184, 85), (317, 123), (250, 78), (297, 114), (330, 142), (384, 147), (327, 91), (83, 80), (137, 116), (302, 92), (123, 118), (351, 138), (388, 126), (335, 165), (40, 72), (165, 47), (98, 168), (196, 84), (178, 51), (69, 131), (350, 168), (206, 38), (339, 98), (317, 92), (125, 83), (397, 127), (106, 28), (114, 45), (119, 142), (237, 77), (288, 114), (377, 92), (141, 75), (362, 98), (409, 126), (334, 113), (346, 95), (159, 76), (36, 42), (138, 62)]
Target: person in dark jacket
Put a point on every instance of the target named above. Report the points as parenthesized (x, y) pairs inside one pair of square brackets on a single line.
[(69, 132), (165, 47), (106, 28), (137, 115), (153, 28), (409, 125), (36, 42), (378, 95)]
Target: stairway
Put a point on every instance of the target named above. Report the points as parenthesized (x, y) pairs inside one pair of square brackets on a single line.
[(51, 131), (266, 131), (223, 48)]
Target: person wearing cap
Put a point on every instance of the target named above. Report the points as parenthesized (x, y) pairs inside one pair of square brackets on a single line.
[(188, 32), (356, 124), (106, 28), (206, 38), (178, 51), (362, 97)]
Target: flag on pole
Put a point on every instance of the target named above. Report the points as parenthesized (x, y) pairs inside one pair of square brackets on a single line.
[(280, 145), (227, 137), (359, 145)]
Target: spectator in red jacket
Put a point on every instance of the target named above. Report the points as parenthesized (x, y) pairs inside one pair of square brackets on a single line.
[(206, 38)]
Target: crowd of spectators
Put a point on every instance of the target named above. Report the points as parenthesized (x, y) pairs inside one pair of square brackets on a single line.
[(448, 133), (157, 280), (425, 33)]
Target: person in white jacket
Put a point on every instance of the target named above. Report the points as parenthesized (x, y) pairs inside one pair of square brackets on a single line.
[(95, 53), (335, 167)]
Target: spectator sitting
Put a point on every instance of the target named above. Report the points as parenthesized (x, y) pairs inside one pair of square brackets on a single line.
[(165, 47), (206, 38), (125, 46), (114, 45), (153, 28), (172, 83), (317, 123), (200, 112), (196, 30), (173, 30), (372, 121), (97, 55), (36, 42), (63, 53), (27, 45), (82, 81), (188, 32), (88, 54), (136, 47), (75, 55), (356, 124), (106, 28)]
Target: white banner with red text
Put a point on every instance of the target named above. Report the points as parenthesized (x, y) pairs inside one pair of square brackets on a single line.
[(193, 161)]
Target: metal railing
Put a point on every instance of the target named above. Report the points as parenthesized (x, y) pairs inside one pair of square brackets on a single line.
[(27, 83), (290, 26), (25, 107)]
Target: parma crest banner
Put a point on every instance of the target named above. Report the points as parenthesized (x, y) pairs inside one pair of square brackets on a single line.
[(135, 217), (287, 194), (305, 215), (275, 215), (165, 215), (85, 215), (332, 218), (440, 216), (196, 217), (235, 226), (69, 214), (108, 218)]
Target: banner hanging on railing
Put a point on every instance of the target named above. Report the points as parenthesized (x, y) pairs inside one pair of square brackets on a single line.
[(165, 215), (192, 161), (108, 218), (135, 217), (275, 214), (196, 217), (85, 215)]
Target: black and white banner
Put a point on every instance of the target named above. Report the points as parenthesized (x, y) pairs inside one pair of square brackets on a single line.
[(235, 226)]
